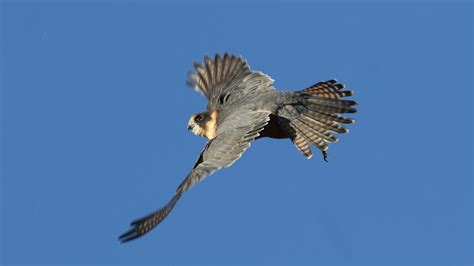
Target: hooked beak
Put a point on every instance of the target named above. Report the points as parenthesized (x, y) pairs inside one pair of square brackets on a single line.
[(191, 123)]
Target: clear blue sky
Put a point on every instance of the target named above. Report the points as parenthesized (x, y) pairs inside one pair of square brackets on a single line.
[(94, 113)]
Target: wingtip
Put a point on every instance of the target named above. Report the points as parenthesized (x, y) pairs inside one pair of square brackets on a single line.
[(197, 65), (128, 236), (133, 232), (207, 60)]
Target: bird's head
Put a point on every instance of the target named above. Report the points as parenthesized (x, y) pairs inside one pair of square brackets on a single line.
[(203, 124)]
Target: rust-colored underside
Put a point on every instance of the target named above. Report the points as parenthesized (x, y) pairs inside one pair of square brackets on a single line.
[(273, 129)]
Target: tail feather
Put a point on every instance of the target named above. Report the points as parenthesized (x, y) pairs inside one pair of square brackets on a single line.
[(300, 142), (309, 134), (326, 124), (327, 89), (327, 101), (329, 109), (317, 129), (303, 146), (334, 105), (335, 94), (320, 115), (304, 128), (326, 96), (314, 114)]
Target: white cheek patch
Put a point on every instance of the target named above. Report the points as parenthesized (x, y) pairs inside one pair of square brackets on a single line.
[(197, 130)]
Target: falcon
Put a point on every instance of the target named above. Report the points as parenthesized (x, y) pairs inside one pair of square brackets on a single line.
[(243, 106)]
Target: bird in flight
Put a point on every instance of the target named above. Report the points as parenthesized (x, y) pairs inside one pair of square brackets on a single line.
[(243, 106)]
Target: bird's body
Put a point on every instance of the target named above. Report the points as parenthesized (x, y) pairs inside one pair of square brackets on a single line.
[(243, 106)]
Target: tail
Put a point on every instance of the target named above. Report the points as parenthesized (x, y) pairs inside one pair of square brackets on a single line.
[(313, 114)]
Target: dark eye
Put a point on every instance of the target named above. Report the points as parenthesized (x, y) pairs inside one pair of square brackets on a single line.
[(198, 118)]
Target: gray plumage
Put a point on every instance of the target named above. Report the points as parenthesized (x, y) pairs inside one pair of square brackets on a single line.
[(243, 106)]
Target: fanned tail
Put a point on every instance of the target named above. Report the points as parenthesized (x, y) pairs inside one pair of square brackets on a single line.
[(314, 115)]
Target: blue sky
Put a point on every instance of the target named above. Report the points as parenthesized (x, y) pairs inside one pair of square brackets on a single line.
[(94, 113)]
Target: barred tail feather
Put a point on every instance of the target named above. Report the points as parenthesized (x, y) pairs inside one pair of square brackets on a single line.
[(298, 140), (326, 124), (321, 115), (315, 128), (303, 146), (328, 89), (338, 106), (325, 96), (315, 115), (309, 134)]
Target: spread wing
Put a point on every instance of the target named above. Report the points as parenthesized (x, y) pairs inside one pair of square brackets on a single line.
[(234, 136), (227, 79)]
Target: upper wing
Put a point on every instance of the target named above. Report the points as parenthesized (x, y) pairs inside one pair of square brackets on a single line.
[(225, 80), (233, 137)]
